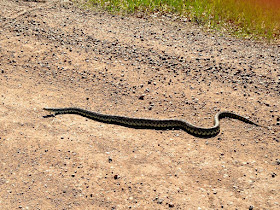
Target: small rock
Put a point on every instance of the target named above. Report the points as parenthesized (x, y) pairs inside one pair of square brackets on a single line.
[(160, 201), (171, 205), (141, 97)]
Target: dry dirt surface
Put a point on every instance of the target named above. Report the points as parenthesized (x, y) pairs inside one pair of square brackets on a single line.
[(53, 54)]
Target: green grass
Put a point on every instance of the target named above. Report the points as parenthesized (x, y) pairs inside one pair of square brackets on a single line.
[(239, 17)]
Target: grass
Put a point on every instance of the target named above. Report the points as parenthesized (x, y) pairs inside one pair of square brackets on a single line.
[(245, 18)]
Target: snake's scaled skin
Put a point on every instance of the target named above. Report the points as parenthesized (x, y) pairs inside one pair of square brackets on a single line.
[(153, 123)]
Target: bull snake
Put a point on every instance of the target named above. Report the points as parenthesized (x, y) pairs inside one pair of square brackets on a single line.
[(153, 123)]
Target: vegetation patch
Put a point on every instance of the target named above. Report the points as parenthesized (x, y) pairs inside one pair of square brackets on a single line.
[(247, 18)]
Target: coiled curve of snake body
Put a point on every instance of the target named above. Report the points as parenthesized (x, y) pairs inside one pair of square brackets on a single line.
[(153, 123)]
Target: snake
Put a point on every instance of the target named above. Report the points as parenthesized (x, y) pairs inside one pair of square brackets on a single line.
[(153, 123)]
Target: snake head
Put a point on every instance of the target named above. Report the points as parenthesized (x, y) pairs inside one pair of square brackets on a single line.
[(52, 113)]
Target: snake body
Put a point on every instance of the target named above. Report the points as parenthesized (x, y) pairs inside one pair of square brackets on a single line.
[(153, 123)]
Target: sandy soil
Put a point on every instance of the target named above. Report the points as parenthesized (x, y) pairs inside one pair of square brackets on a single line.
[(54, 54)]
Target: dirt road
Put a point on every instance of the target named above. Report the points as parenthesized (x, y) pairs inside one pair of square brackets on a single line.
[(56, 55)]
